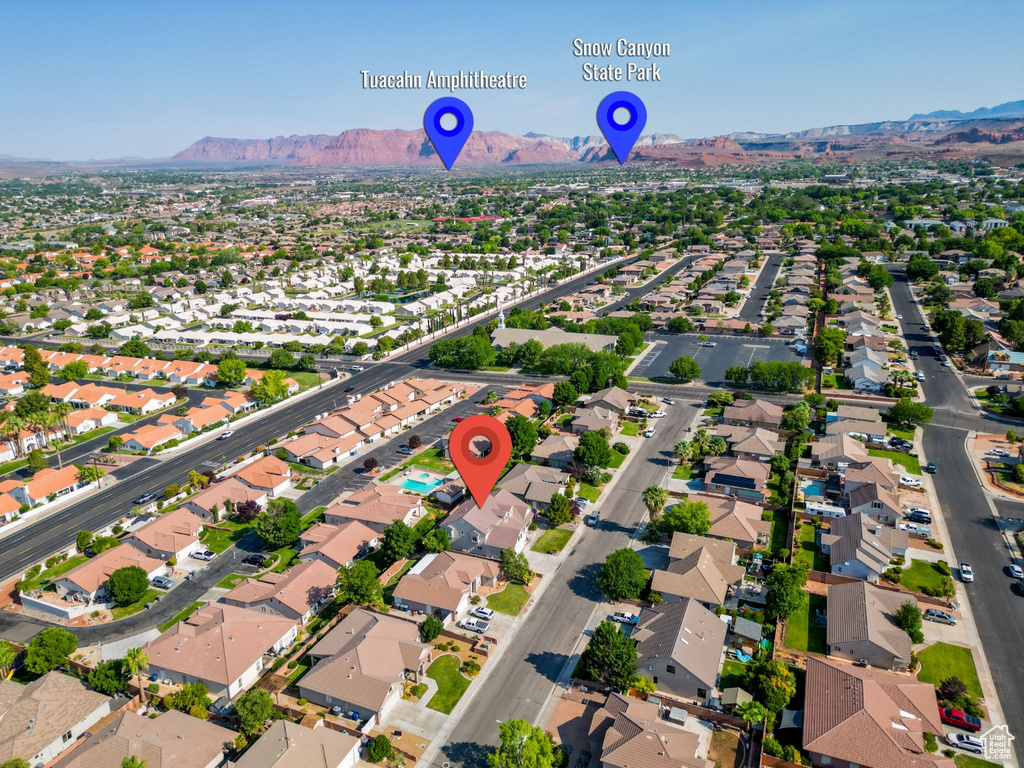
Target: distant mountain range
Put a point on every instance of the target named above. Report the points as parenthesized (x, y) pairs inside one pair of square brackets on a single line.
[(995, 134)]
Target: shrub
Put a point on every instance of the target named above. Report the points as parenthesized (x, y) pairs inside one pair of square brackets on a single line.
[(470, 668), (172, 490), (153, 688), (431, 629), (767, 516), (931, 744), (621, 448), (379, 748)]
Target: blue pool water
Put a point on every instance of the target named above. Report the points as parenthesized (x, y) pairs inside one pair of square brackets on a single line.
[(814, 491), (423, 486)]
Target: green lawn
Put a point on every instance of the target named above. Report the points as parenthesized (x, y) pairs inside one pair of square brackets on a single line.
[(300, 669), (220, 540), (588, 492), (801, 634), (306, 379), (431, 458), (922, 574), (510, 600), (616, 460), (970, 761), (181, 616), (231, 581), (123, 612), (780, 531), (714, 412), (941, 660), (451, 684), (808, 552), (11, 466), (552, 541), (682, 472), (630, 428), (51, 574), (906, 434), (313, 517), (286, 556), (912, 465), (389, 588), (733, 673)]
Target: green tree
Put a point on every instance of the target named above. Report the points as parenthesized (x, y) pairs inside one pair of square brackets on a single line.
[(623, 575), (8, 655), (280, 524), (254, 707), (359, 584), (515, 566), (770, 682), (399, 542), (559, 511), (136, 661), (379, 748), (908, 618), (271, 388), (37, 461), (655, 498), (127, 585), (83, 540), (74, 371), (37, 370), (687, 516), (737, 374), (609, 658), (523, 746), (682, 450), (132, 762), (437, 540), (49, 650), (1011, 436), (431, 629), (15, 762), (110, 677), (565, 394), (193, 698), (751, 712), (593, 450), (685, 368), (231, 372), (281, 359), (797, 418), (907, 412), (135, 348), (785, 590), (523, 434), (115, 442)]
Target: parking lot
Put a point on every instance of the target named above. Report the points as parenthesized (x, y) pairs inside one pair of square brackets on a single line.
[(713, 361)]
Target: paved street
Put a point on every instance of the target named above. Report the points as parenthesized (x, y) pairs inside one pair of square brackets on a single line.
[(755, 302)]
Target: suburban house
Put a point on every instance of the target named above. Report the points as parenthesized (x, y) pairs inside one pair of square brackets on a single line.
[(296, 594), (88, 419), (216, 497), (288, 745), (363, 663), (593, 420), (87, 582), (268, 474), (861, 625), (142, 402), (321, 451), (172, 534), (734, 519), (337, 545), (861, 548), (864, 376), (220, 645), (877, 502), (679, 646), (699, 568), (864, 716), (376, 506), (172, 740), (46, 483), (630, 733), (149, 437), (753, 413), (876, 470), (556, 450), (753, 443), (534, 485), (745, 479), (834, 450), (45, 717), (501, 524), (442, 584), (611, 399)]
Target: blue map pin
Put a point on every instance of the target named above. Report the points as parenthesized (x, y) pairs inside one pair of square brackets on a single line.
[(622, 136), (448, 142)]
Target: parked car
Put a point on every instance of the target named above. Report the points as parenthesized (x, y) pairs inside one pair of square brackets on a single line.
[(1017, 572), (592, 519), (998, 452), (919, 511), (225, 434), (257, 560), (919, 517), (919, 376), (940, 617), (931, 469), (649, 432), (659, 415), (474, 625), (204, 554), (581, 502), (144, 498), (966, 572), (162, 581), (943, 358), (668, 401), (710, 344), (967, 743), (910, 482), (405, 450), (899, 317), (900, 444), (457, 419), (960, 719), (482, 613), (625, 617)]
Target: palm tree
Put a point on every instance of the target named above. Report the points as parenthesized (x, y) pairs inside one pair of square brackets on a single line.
[(751, 712), (8, 653), (655, 498), (58, 444), (132, 762), (62, 411), (701, 441), (12, 427), (682, 450), (717, 445), (137, 661)]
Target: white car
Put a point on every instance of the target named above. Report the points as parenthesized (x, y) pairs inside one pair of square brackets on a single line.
[(482, 613), (966, 572), (357, 368), (910, 482), (1017, 572), (204, 554), (658, 415), (966, 742), (225, 434), (582, 502), (624, 617), (899, 317), (998, 452), (710, 344), (474, 625), (649, 432)]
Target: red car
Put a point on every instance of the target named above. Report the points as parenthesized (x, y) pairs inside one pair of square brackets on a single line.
[(960, 719), (457, 419)]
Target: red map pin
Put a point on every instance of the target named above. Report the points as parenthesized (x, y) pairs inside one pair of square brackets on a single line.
[(480, 473)]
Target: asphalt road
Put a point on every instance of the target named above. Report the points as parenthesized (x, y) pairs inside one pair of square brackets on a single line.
[(529, 667), (973, 528), (751, 310)]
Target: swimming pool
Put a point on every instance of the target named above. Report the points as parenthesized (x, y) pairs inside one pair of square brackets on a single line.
[(422, 483)]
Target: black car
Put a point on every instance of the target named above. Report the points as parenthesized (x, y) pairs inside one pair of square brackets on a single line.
[(349, 389), (145, 498), (919, 517), (257, 560)]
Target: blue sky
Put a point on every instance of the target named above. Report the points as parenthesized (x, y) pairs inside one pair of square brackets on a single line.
[(113, 79)]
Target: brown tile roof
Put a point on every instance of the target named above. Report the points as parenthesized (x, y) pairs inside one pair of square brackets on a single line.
[(339, 543), (300, 588), (376, 503), (172, 740), (698, 575), (217, 642), (94, 572), (500, 521), (219, 492), (753, 410), (364, 656), (734, 519), (290, 745), (869, 716), (441, 580), (37, 714), (266, 473), (631, 735), (684, 631), (48, 481), (169, 532), (859, 611)]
